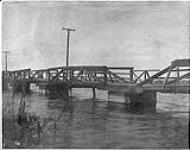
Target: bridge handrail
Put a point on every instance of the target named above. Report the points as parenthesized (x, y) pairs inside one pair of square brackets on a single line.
[(104, 73)]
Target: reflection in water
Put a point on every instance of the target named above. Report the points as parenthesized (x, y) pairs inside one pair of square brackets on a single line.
[(92, 123)]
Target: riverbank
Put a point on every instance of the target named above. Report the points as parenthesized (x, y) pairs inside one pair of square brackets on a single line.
[(15, 133)]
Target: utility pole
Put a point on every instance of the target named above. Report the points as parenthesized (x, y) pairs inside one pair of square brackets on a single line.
[(5, 52), (67, 51), (189, 26)]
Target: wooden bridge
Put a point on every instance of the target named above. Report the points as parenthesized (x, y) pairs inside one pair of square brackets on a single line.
[(174, 78), (133, 84)]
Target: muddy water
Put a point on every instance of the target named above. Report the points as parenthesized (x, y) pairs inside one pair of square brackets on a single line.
[(87, 123)]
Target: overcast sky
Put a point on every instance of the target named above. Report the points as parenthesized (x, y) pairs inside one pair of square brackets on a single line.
[(140, 34)]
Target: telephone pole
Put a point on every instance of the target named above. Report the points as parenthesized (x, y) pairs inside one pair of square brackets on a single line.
[(189, 26), (67, 51), (5, 52)]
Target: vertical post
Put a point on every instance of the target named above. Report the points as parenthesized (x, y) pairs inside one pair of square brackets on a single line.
[(94, 93), (95, 76), (48, 75), (178, 75), (71, 75), (28, 74), (63, 74), (105, 75), (131, 74), (189, 29), (19, 75), (145, 75), (5, 52), (177, 83), (6, 63), (67, 51), (24, 74)]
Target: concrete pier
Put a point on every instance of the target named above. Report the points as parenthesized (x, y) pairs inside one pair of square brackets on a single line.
[(143, 102), (135, 102), (57, 90)]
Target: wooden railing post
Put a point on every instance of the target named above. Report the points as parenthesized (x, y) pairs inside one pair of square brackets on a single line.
[(71, 75), (168, 75), (178, 75), (24, 74), (131, 74), (48, 75), (105, 75)]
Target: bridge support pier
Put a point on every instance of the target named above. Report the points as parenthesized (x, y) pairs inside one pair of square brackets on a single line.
[(21, 85), (143, 102), (57, 90)]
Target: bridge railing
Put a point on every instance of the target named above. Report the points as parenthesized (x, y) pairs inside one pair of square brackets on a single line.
[(72, 74), (141, 75), (19, 74), (120, 74), (177, 73), (85, 74)]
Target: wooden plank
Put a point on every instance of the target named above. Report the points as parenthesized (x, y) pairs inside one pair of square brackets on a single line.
[(122, 73), (79, 67), (150, 70), (181, 70), (39, 70), (74, 68), (120, 68), (22, 70)]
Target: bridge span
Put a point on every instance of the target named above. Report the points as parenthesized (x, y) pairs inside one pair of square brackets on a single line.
[(136, 85)]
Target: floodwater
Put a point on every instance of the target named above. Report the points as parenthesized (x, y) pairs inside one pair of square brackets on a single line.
[(86, 123)]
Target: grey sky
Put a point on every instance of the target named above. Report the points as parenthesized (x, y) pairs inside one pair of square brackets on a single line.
[(139, 34)]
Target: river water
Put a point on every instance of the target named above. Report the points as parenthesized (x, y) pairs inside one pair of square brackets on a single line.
[(87, 123)]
